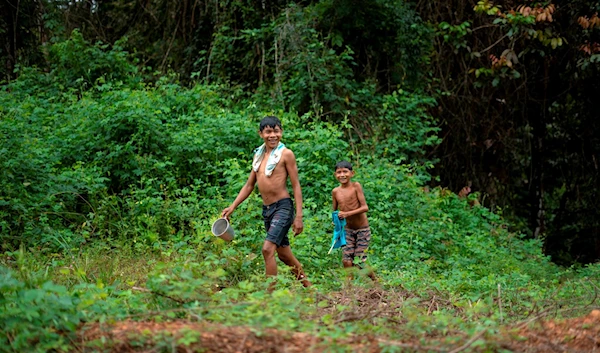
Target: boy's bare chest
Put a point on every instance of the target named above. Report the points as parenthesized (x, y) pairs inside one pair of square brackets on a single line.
[(347, 196)]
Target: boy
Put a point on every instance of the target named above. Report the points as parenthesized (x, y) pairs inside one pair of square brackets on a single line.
[(349, 198), (272, 164)]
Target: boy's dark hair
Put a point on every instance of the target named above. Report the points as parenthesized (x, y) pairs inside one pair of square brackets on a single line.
[(270, 121), (343, 164)]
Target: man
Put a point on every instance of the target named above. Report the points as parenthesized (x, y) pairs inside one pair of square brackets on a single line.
[(272, 164)]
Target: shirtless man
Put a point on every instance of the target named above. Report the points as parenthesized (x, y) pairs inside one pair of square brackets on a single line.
[(349, 198), (273, 163)]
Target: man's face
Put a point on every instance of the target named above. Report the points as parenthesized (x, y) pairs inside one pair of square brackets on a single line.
[(271, 136), (343, 175)]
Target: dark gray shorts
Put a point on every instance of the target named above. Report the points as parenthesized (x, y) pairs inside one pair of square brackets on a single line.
[(278, 219)]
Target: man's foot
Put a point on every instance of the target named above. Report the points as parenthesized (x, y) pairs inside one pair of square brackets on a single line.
[(305, 282)]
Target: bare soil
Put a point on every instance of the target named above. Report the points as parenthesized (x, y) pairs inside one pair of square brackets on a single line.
[(539, 335)]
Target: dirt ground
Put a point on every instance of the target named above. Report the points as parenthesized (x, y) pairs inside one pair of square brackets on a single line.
[(539, 335)]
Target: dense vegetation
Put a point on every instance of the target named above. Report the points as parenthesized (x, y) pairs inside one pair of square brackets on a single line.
[(515, 82), (126, 127)]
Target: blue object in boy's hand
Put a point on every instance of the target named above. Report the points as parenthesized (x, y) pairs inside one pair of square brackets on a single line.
[(339, 234)]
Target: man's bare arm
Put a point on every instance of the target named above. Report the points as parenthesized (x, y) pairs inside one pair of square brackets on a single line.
[(292, 170), (245, 191)]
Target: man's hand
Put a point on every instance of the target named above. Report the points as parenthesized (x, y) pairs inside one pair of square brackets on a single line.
[(227, 212), (342, 215), (297, 226)]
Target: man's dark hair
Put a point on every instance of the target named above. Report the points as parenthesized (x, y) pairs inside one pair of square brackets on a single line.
[(270, 121), (343, 164)]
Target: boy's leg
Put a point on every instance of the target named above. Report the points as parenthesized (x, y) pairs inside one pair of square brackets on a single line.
[(363, 238), (350, 248), (285, 254), (348, 253), (371, 274)]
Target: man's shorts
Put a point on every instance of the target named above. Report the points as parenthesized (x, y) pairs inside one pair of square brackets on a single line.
[(278, 219), (357, 242)]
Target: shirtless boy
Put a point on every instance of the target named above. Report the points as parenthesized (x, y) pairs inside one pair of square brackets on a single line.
[(272, 164), (349, 198)]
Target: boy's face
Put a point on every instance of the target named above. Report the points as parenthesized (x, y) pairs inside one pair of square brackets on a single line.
[(271, 136), (343, 175)]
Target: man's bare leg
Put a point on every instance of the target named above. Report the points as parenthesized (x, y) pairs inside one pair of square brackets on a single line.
[(268, 252), (285, 254)]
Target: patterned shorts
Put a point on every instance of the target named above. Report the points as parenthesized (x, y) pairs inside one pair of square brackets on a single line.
[(357, 242), (278, 219)]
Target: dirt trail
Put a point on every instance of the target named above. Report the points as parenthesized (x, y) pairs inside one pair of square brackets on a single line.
[(570, 335)]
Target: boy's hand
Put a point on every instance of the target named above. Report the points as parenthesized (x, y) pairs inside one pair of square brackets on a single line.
[(298, 226), (342, 215), (227, 212)]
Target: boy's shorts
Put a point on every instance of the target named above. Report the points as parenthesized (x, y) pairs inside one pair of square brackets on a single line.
[(357, 242), (278, 219)]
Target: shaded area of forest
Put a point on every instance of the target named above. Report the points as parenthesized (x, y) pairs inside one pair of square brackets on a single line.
[(514, 83)]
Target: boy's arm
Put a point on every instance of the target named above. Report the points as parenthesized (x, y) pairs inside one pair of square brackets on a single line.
[(361, 201), (245, 191), (292, 170), (334, 200)]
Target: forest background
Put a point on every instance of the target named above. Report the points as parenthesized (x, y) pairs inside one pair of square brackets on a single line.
[(127, 125)]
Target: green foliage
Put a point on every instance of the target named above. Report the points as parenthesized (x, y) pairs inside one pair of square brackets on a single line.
[(523, 142), (66, 158), (403, 130), (41, 316), (156, 165), (322, 58), (155, 158), (340, 61), (108, 195), (455, 35), (77, 65), (29, 315)]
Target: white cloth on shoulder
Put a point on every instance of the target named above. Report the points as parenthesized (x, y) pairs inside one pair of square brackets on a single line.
[(272, 161)]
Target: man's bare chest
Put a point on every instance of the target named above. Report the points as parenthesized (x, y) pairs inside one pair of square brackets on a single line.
[(278, 175), (279, 168)]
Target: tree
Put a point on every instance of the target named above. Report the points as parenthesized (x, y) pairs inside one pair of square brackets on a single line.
[(517, 83)]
